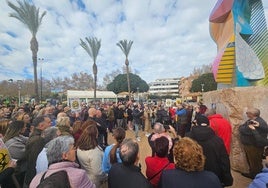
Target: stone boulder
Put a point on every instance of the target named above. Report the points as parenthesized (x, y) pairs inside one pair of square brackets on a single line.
[(232, 103)]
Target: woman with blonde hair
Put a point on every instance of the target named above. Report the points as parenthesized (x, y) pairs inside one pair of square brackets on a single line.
[(189, 168), (64, 126)]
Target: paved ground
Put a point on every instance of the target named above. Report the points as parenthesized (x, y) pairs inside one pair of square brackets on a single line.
[(145, 150)]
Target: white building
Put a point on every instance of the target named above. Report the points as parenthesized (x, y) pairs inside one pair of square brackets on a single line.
[(165, 86)]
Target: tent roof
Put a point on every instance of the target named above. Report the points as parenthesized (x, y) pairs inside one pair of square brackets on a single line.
[(90, 94)]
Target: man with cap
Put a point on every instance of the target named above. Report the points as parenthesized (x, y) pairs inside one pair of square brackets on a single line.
[(217, 159)]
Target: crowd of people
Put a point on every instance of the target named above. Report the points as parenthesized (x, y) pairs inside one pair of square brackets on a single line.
[(190, 145)]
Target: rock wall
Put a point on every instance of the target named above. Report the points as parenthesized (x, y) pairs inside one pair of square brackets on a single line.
[(232, 103)]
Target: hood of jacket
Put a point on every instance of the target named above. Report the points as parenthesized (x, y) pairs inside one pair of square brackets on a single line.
[(201, 133)]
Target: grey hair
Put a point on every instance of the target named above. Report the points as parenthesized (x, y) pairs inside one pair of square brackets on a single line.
[(49, 133), (159, 128), (57, 147), (129, 150)]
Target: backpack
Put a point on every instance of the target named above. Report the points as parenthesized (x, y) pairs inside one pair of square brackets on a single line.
[(58, 179)]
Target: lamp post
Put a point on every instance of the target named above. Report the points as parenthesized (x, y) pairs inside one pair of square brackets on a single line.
[(202, 85), (41, 78), (19, 83)]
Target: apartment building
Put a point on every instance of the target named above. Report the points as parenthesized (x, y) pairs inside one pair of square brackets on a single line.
[(165, 86)]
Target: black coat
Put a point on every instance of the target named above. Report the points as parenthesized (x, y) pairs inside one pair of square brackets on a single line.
[(217, 159), (177, 178), (121, 176)]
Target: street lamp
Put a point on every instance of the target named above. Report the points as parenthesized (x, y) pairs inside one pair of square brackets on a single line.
[(19, 83), (41, 78), (202, 85)]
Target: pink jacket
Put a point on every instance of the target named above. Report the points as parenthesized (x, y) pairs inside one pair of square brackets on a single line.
[(78, 177)]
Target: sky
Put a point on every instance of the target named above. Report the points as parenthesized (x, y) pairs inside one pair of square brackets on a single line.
[(170, 38)]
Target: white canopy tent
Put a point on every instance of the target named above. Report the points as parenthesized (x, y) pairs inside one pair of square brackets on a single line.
[(87, 96)]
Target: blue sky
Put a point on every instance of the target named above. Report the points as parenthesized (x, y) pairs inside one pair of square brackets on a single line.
[(171, 37)]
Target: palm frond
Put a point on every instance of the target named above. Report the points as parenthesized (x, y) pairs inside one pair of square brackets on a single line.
[(28, 14), (92, 47), (125, 46)]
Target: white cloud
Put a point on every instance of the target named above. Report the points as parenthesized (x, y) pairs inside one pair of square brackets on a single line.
[(171, 37)]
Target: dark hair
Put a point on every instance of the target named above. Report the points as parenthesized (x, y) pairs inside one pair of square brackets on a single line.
[(161, 146), (14, 129), (119, 135), (38, 120)]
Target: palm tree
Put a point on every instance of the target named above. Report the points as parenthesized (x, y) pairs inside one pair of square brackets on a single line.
[(29, 15), (125, 47), (92, 48)]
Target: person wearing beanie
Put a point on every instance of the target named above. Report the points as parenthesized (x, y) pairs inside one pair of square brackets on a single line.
[(217, 158)]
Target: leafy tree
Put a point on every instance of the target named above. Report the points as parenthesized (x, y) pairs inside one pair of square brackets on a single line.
[(119, 84), (125, 46), (29, 15), (208, 82), (92, 47)]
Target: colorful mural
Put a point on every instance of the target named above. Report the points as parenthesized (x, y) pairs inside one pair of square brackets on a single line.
[(239, 29)]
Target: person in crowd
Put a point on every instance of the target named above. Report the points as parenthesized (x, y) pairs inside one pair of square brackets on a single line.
[(61, 156), (221, 127), (217, 158), (111, 153), (153, 116), (110, 117), (137, 113), (156, 164), (261, 179), (48, 134), (189, 168), (34, 146), (64, 126), (252, 148), (84, 113), (182, 120), (77, 129), (189, 110), (120, 116), (102, 129), (159, 131), (129, 116), (27, 121), (16, 144), (146, 116), (128, 173), (4, 123), (7, 168), (90, 155), (162, 115)]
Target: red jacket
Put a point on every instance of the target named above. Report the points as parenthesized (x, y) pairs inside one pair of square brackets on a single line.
[(222, 128), (154, 165)]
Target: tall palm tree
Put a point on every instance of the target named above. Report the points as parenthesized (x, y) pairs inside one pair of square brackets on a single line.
[(92, 47), (29, 15), (125, 47)]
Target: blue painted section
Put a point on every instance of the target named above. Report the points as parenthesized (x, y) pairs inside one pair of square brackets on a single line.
[(242, 14)]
